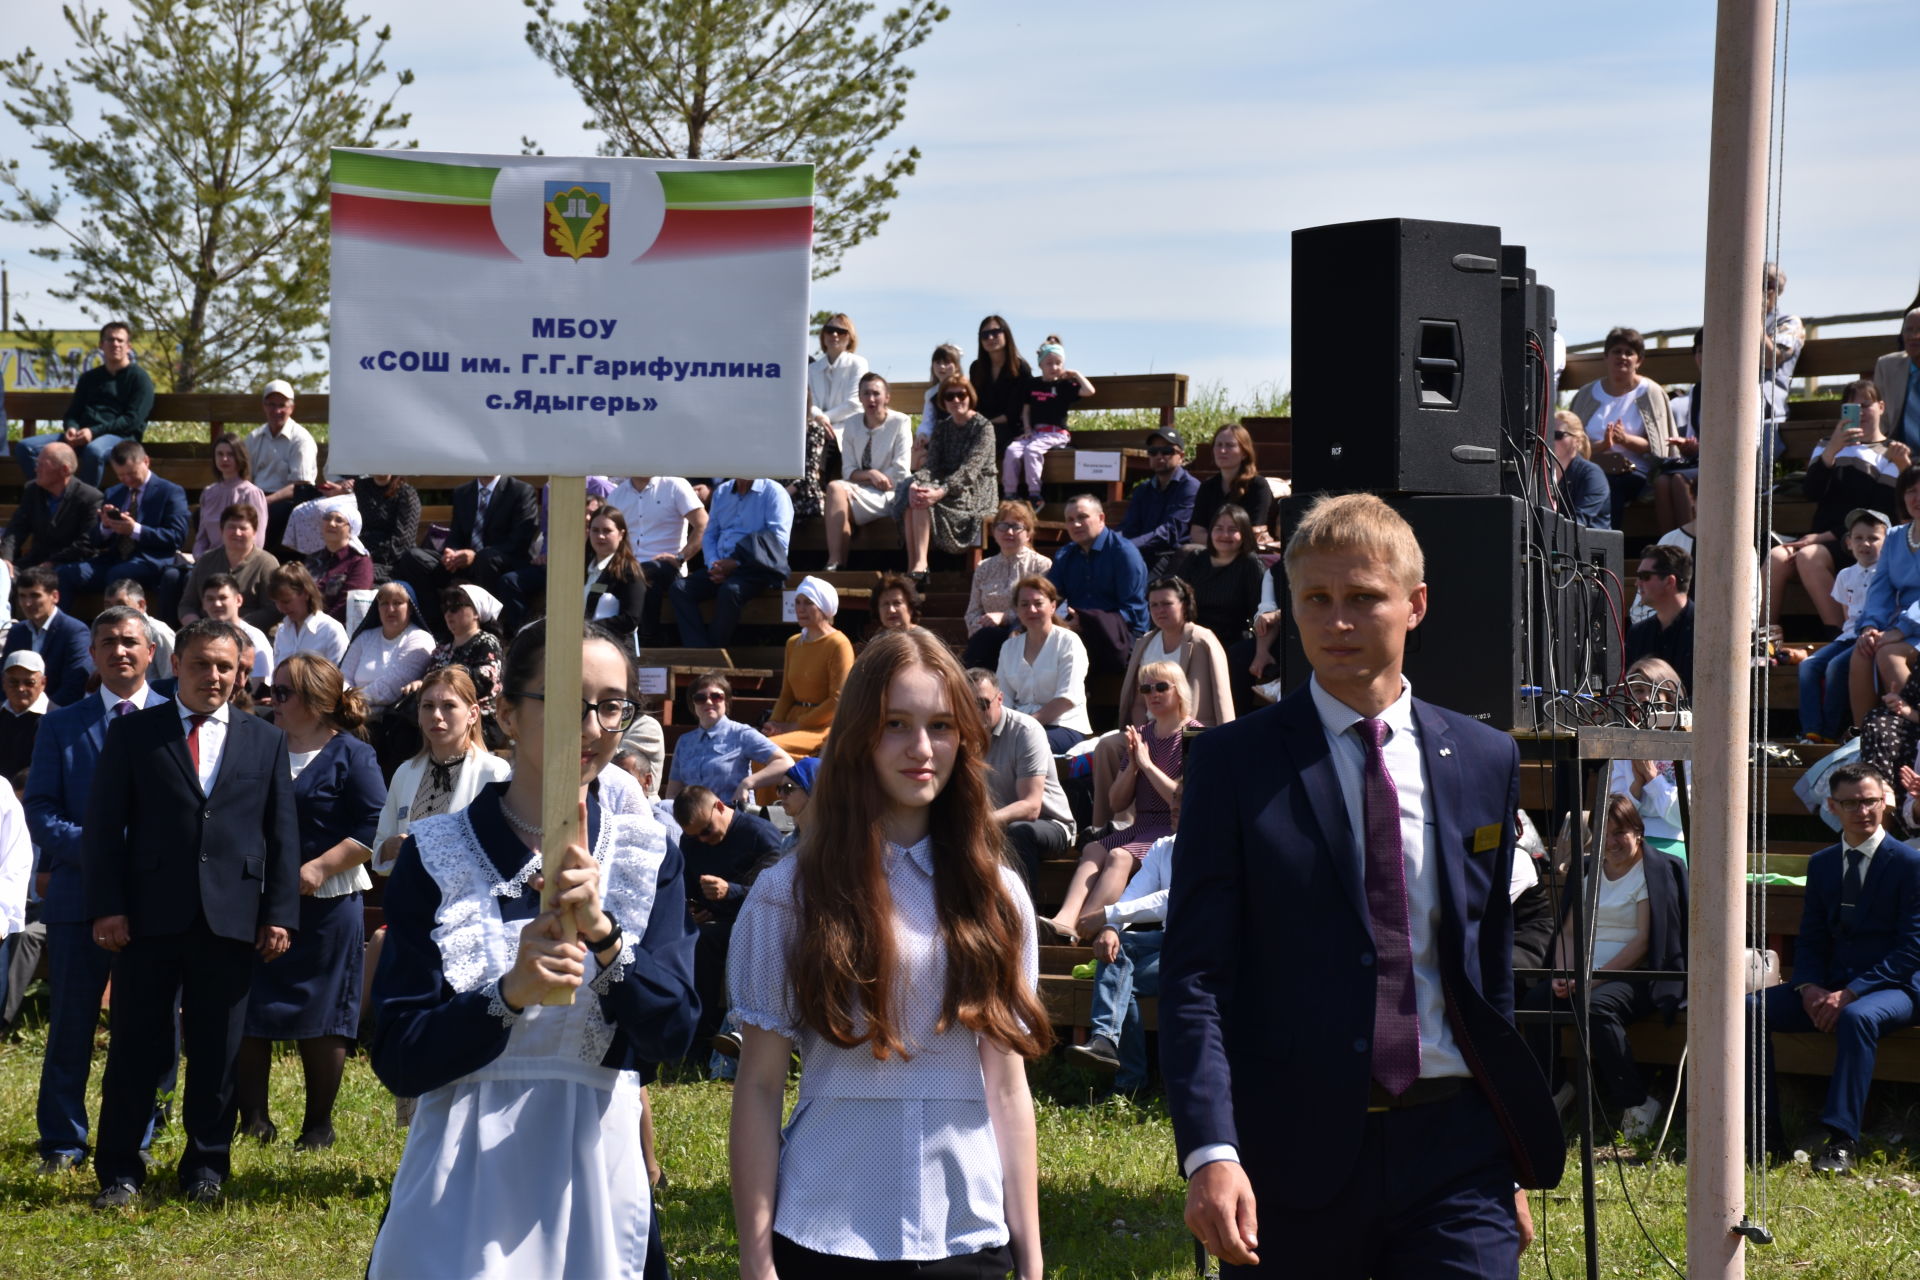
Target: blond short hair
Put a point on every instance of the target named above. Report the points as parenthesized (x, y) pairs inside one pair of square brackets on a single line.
[(1173, 675), (1571, 421), (1359, 522)]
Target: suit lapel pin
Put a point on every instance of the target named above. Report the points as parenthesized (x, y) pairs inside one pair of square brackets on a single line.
[(1446, 751)]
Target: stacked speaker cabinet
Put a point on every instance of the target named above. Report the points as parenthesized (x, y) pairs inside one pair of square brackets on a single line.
[(1397, 357)]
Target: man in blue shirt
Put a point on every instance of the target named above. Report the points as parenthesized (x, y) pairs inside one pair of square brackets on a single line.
[(1160, 508), (745, 550), (1105, 583), (720, 755)]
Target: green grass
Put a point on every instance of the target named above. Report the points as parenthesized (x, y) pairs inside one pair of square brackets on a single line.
[(1110, 1200)]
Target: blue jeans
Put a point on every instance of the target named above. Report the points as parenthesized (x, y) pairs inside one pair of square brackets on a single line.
[(92, 455), (77, 973), (1824, 707), (1116, 1014)]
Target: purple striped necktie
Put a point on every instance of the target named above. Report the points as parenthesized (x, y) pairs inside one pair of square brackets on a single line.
[(1396, 1018)]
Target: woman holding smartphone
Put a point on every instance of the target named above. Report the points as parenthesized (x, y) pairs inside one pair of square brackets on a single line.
[(895, 950), (1854, 467)]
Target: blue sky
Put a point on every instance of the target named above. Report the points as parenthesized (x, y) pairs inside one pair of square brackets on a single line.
[(1129, 174)]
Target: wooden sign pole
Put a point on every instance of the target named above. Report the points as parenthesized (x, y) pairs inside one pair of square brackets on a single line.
[(560, 742)]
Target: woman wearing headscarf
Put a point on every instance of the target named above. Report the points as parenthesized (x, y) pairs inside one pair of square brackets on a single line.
[(342, 563), (817, 663)]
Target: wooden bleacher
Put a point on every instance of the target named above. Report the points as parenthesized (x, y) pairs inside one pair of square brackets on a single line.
[(754, 669)]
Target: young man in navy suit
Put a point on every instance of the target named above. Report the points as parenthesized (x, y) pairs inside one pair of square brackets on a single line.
[(192, 855), (59, 638), (58, 783), (142, 526), (1856, 969), (1349, 1095)]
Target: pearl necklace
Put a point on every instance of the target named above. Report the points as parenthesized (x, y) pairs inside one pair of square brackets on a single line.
[(517, 823), (1913, 528)]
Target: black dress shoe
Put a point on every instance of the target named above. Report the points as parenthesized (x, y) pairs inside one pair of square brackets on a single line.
[(265, 1130), (117, 1196), (1098, 1052), (58, 1163), (728, 1044), (202, 1191), (1835, 1157), (315, 1139)]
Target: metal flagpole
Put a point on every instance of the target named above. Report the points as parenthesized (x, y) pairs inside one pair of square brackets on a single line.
[(1723, 635)]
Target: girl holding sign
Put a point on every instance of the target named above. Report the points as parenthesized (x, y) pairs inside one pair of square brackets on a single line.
[(896, 951), (524, 1156)]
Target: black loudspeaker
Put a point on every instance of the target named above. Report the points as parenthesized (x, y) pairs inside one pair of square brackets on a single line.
[(1511, 619), (1397, 357)]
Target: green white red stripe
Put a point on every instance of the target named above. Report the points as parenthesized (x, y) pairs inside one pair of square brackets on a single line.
[(420, 203), (712, 212)]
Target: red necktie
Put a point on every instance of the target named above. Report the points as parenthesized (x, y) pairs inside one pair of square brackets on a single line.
[(193, 739), (1396, 1017)]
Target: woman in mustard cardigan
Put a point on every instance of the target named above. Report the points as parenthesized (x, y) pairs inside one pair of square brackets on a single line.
[(817, 663)]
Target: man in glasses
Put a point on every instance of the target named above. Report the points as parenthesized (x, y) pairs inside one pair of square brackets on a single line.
[(1028, 801), (59, 783), (192, 856), (1664, 576), (1160, 508), (725, 851), (1856, 968)]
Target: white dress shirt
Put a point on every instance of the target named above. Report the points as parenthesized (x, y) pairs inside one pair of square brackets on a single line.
[(318, 634), (1059, 670), (1439, 1055), (292, 457), (835, 386), (135, 700), (1146, 902), (213, 740), (16, 864), (656, 515)]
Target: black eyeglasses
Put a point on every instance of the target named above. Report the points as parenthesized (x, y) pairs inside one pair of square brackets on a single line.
[(1155, 686), (612, 713), (1161, 451), (826, 329), (956, 395), (1563, 435), (1647, 575), (992, 333), (709, 695), (786, 788)]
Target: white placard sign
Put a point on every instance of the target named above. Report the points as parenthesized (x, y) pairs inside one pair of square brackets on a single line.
[(651, 680), (1095, 466), (786, 606), (547, 315)]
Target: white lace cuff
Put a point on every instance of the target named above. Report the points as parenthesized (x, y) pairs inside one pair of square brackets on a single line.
[(497, 1007), (611, 975)]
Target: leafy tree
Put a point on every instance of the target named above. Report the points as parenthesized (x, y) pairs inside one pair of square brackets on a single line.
[(794, 80), (202, 189)]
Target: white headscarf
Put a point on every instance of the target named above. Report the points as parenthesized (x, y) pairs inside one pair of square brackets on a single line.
[(821, 592), (486, 605)]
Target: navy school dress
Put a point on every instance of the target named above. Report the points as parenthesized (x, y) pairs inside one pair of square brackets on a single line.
[(314, 989)]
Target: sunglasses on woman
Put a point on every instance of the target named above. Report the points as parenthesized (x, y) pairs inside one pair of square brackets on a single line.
[(992, 333), (832, 329), (956, 397), (1155, 686)]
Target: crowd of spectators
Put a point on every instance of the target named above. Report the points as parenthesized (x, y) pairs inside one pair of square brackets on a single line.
[(376, 649)]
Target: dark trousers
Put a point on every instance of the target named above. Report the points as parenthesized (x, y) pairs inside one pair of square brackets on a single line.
[(1856, 1037), (20, 957), (710, 983), (1032, 841), (1107, 638), (419, 568), (77, 972), (795, 1262), (1430, 1198), (729, 601), (1240, 675), (1622, 490), (983, 646), (211, 977), (1612, 1008)]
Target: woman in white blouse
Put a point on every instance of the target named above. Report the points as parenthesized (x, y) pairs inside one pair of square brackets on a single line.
[(390, 650), (990, 617), (1043, 666), (875, 448), (913, 1139), (451, 768), (305, 626), (833, 378)]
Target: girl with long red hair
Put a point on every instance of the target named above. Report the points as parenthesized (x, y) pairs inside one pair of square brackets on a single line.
[(896, 951)]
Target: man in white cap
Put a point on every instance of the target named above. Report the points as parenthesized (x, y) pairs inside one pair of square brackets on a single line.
[(24, 674), (286, 461)]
